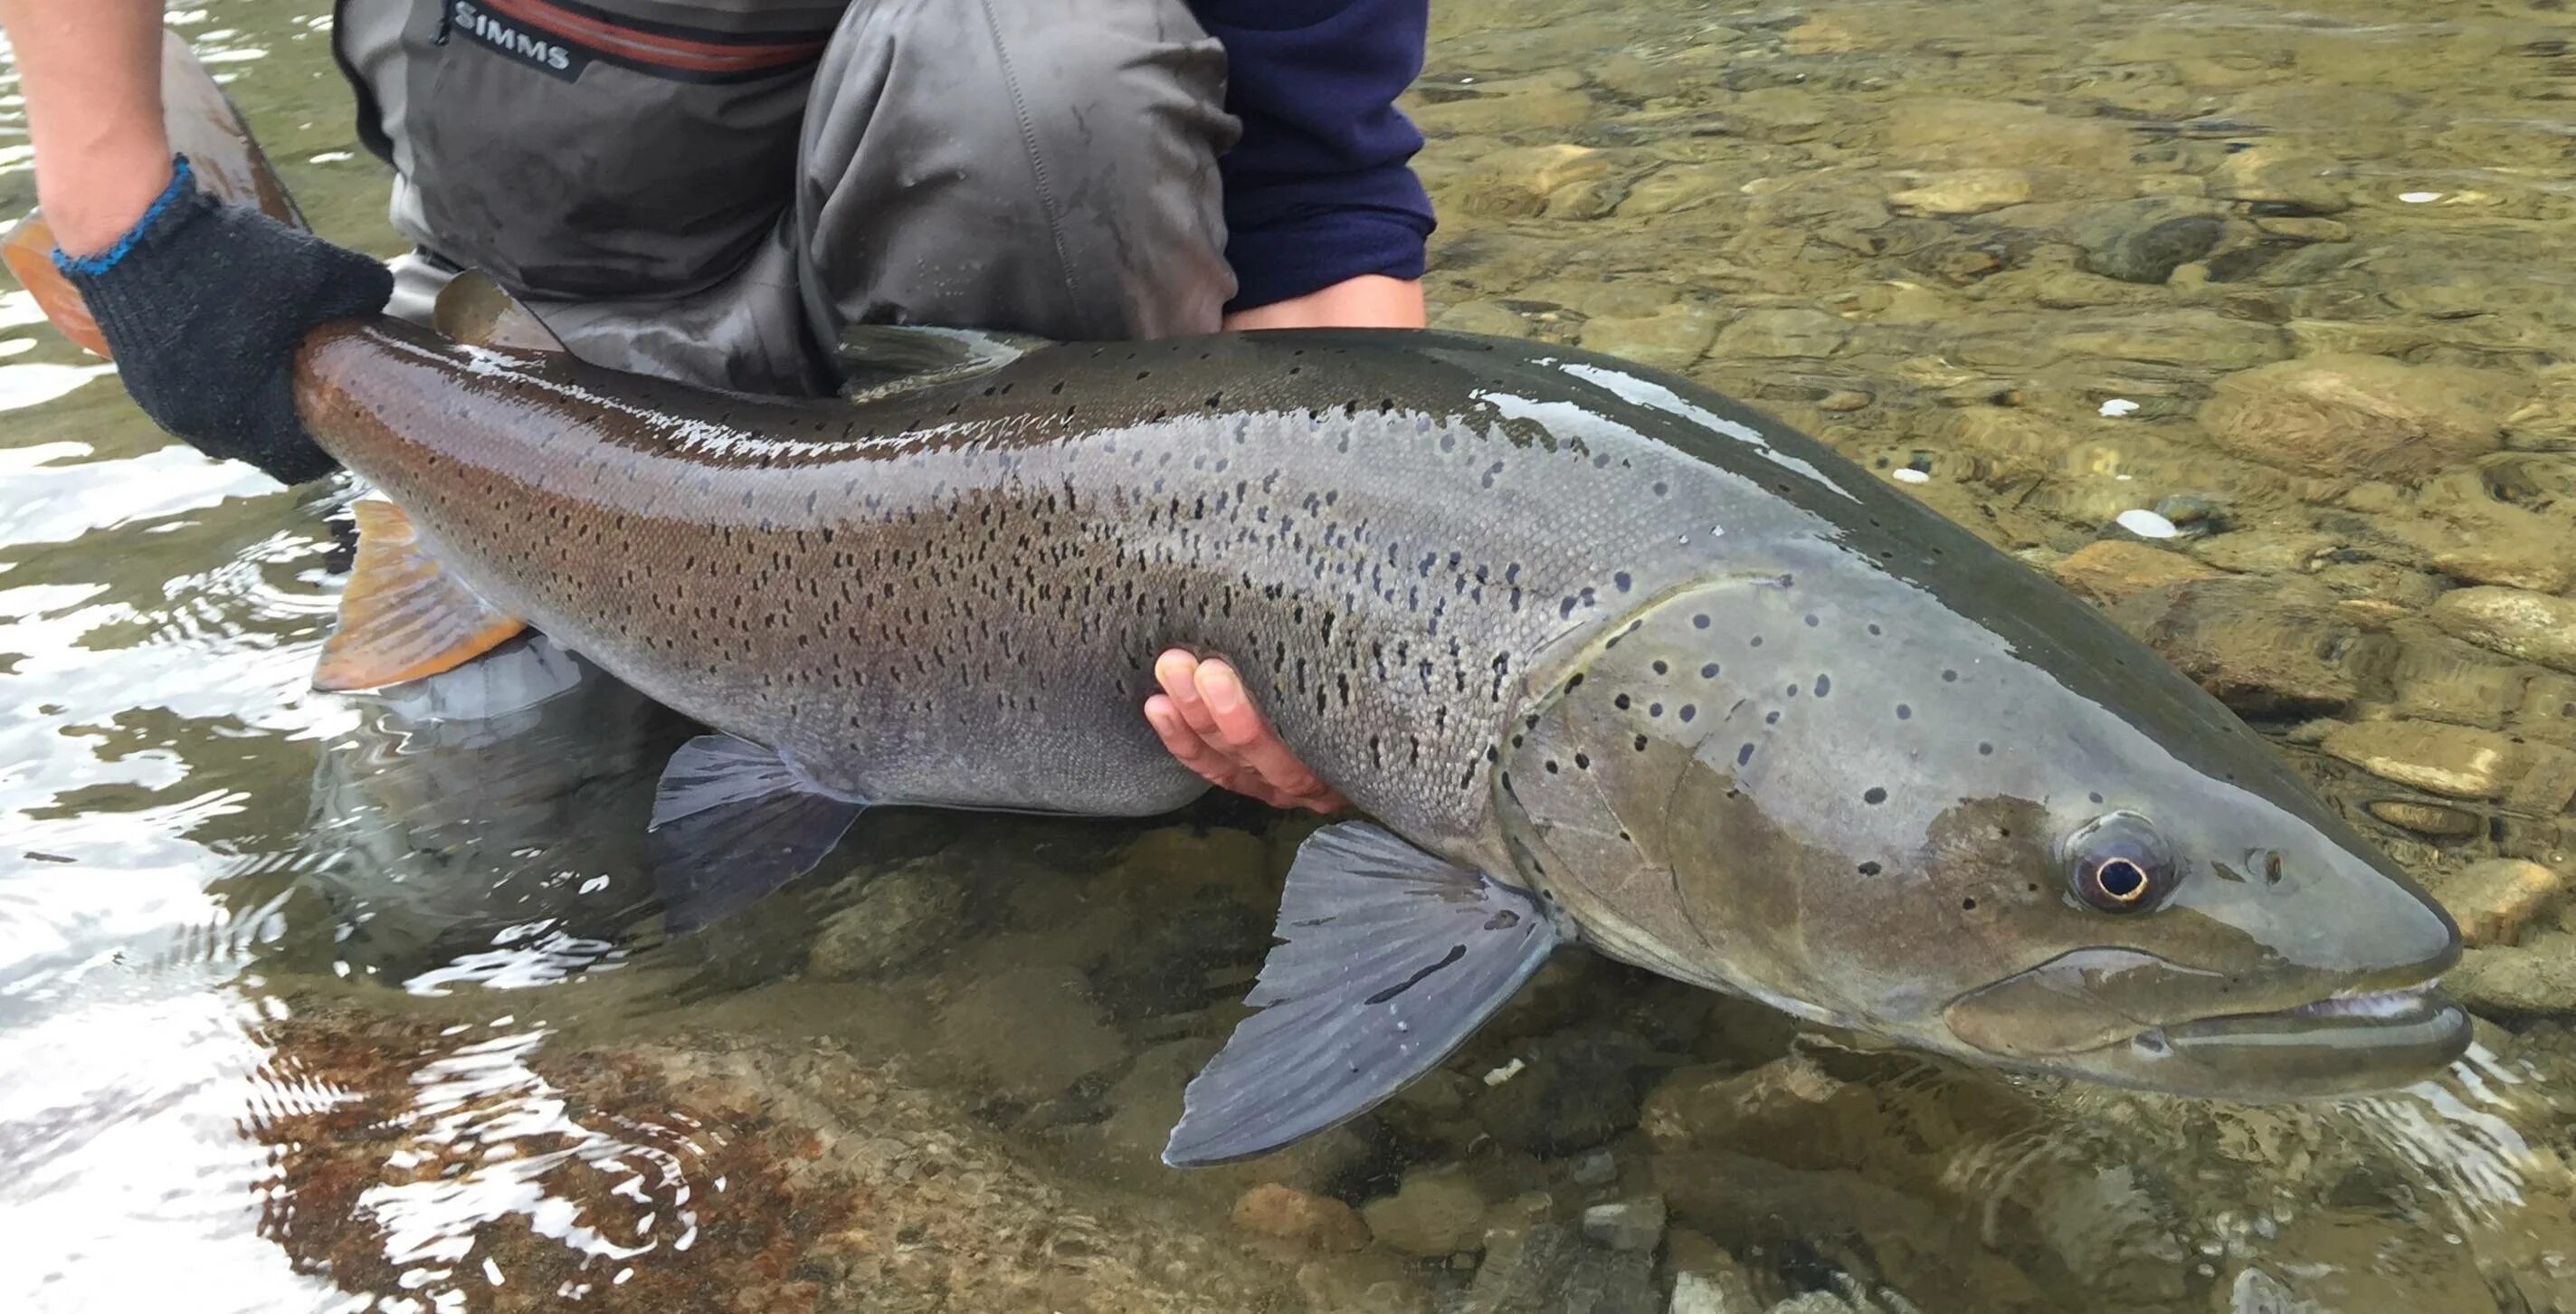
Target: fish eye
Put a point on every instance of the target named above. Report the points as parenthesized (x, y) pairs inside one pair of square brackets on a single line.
[(2119, 864)]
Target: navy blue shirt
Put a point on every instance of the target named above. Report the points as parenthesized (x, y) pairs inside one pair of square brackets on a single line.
[(1321, 187)]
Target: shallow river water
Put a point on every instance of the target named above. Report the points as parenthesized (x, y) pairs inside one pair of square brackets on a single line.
[(2250, 321)]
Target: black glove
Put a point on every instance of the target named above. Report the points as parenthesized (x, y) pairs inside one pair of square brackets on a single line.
[(203, 304)]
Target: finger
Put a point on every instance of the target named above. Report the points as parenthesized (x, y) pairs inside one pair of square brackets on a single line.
[(1247, 735), (1176, 671), (1187, 745)]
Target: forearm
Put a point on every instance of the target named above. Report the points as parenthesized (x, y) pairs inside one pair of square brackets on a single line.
[(1368, 301), (90, 72)]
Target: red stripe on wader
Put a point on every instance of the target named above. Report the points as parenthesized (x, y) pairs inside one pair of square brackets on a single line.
[(653, 48)]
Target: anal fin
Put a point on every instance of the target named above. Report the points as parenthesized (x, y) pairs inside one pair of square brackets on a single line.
[(732, 822), (403, 616), (1391, 959)]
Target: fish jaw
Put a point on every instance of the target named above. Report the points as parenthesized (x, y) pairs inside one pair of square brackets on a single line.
[(2376, 1036)]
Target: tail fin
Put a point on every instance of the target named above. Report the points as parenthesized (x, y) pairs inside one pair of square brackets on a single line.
[(203, 125)]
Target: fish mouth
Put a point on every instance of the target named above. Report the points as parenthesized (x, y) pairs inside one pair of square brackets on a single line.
[(2351, 1043)]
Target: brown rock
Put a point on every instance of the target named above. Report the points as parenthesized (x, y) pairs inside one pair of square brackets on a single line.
[(1435, 1211), (2265, 647), (2113, 569), (2494, 900), (2535, 627), (1967, 191), (1315, 1222), (2536, 978), (2361, 416), (2443, 759)]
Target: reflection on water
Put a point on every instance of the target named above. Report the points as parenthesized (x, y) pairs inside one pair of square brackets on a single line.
[(2247, 321)]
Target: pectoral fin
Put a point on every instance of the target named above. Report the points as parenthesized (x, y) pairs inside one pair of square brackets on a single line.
[(403, 616), (732, 822), (1392, 957), (473, 309)]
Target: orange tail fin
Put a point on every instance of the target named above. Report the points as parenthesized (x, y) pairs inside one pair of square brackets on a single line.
[(205, 126)]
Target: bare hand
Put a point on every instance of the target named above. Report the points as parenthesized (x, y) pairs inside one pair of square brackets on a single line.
[(1207, 721)]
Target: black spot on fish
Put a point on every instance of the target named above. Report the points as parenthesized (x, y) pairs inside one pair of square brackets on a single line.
[(1744, 755), (1662, 488), (1812, 622), (1699, 622), (1654, 709), (1869, 869), (1969, 903), (1874, 628), (1582, 761), (1771, 718), (2095, 797), (1757, 641), (1620, 702), (1873, 795), (1708, 672), (1661, 668), (1824, 685), (1621, 579), (1793, 691), (1949, 677), (1689, 710), (1551, 766), (1641, 743), (1904, 713), (1985, 750)]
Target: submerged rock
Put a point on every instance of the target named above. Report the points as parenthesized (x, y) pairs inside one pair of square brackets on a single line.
[(2144, 241), (2111, 569), (2495, 899), (1967, 191), (1302, 1218), (2534, 978), (2535, 627), (894, 921), (2444, 759), (1435, 1211), (1626, 1224), (2265, 647), (1541, 1267), (1670, 339), (2359, 416), (1718, 1291), (1783, 333)]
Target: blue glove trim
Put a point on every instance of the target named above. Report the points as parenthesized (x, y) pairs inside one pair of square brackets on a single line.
[(182, 181)]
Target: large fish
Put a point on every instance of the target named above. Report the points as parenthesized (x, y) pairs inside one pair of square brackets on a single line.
[(1607, 658)]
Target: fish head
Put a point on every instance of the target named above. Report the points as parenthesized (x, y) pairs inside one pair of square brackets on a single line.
[(2021, 840)]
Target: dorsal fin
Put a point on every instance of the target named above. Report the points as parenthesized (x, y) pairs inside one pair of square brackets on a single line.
[(402, 616), (475, 310)]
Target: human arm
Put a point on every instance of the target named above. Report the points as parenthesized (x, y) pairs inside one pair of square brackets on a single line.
[(90, 73), (1326, 220)]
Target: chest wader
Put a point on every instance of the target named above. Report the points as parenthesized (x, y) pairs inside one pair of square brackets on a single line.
[(713, 191)]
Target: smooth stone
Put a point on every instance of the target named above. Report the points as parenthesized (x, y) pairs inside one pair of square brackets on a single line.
[(2535, 627), (2264, 647), (2440, 680), (2144, 241), (1483, 317), (1986, 133), (2113, 569), (2423, 818), (1521, 181), (1434, 1211), (2270, 174), (1675, 188), (1671, 339), (2495, 899), (1782, 334), (895, 920), (1626, 1224), (2535, 978), (2304, 229), (1598, 1168), (2366, 416), (1722, 1292), (1314, 1222), (2454, 760), (1966, 191)]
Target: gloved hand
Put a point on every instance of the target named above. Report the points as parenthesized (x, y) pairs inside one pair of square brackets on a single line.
[(202, 305)]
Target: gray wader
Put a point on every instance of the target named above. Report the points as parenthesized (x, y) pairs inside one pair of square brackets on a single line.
[(713, 191)]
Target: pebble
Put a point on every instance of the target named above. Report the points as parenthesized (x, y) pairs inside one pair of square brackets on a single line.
[(1670, 339), (2267, 173), (2258, 1292), (2304, 229), (2111, 569), (1782, 334), (895, 919), (1626, 1224), (2535, 978), (2144, 241), (1434, 1211), (1673, 189), (2495, 899), (2264, 647), (1482, 317), (2364, 416), (2455, 760), (1599, 1168), (2145, 523), (2535, 627), (2425, 818), (1967, 191), (1546, 1268), (1722, 1292), (1317, 1222)]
